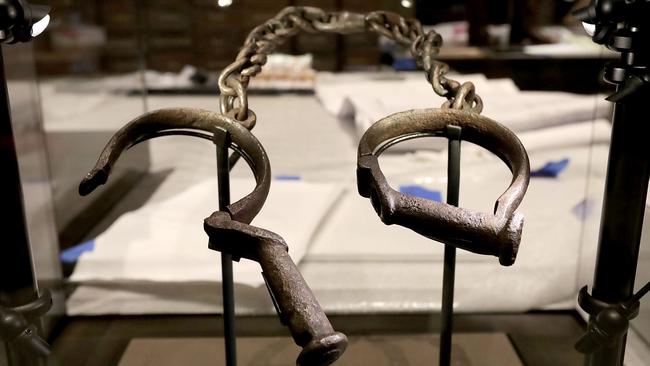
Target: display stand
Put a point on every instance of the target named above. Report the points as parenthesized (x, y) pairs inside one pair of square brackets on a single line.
[(623, 27), (449, 271), (221, 140), (22, 305)]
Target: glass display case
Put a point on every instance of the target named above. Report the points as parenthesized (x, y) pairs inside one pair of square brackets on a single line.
[(129, 266)]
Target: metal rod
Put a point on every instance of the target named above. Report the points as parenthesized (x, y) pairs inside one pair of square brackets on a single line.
[(222, 142), (17, 279), (642, 292), (628, 171), (17, 282), (143, 51), (449, 271)]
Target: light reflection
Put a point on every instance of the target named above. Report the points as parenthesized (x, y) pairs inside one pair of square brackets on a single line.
[(224, 3), (40, 26)]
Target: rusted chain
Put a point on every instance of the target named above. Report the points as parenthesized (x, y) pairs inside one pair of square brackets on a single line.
[(265, 38)]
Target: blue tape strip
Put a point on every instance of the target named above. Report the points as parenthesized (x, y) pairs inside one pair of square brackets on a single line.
[(287, 177), (419, 191), (71, 255), (405, 64), (584, 209), (551, 170)]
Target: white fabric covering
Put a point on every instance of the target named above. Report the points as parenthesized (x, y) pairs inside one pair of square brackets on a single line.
[(165, 241), (368, 99), (355, 263)]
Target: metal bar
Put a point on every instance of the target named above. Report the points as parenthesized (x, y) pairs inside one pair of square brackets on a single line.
[(222, 142), (143, 51), (17, 280), (626, 188), (449, 271), (642, 292)]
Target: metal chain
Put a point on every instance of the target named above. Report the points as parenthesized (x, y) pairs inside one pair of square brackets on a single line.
[(265, 38)]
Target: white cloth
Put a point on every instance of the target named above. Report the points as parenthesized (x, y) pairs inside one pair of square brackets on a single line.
[(165, 241), (567, 136), (369, 99), (357, 264), (402, 272), (399, 270)]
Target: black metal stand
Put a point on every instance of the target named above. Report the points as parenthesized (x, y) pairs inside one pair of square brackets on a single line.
[(620, 25), (449, 272), (17, 282), (222, 142), (21, 306), (622, 219)]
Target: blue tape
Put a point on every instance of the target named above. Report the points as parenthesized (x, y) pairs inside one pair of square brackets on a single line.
[(551, 170), (72, 254), (584, 209), (287, 177), (405, 64), (419, 191)]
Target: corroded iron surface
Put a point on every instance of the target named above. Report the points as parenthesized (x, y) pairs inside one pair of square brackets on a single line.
[(184, 121), (296, 304), (497, 234)]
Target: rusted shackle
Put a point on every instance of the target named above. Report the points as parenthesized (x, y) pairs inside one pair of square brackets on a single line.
[(229, 230), (497, 234)]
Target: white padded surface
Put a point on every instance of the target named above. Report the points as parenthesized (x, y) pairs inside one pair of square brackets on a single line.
[(355, 264)]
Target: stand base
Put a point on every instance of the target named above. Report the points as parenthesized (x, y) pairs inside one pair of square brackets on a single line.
[(469, 349)]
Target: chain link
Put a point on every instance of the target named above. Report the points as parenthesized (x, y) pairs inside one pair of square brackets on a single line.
[(265, 38)]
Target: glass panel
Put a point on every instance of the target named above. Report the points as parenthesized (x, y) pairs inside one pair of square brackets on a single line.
[(137, 247), (32, 158), (642, 323), (91, 84), (30, 248)]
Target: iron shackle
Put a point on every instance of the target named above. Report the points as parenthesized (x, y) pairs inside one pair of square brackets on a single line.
[(497, 234), (228, 230)]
